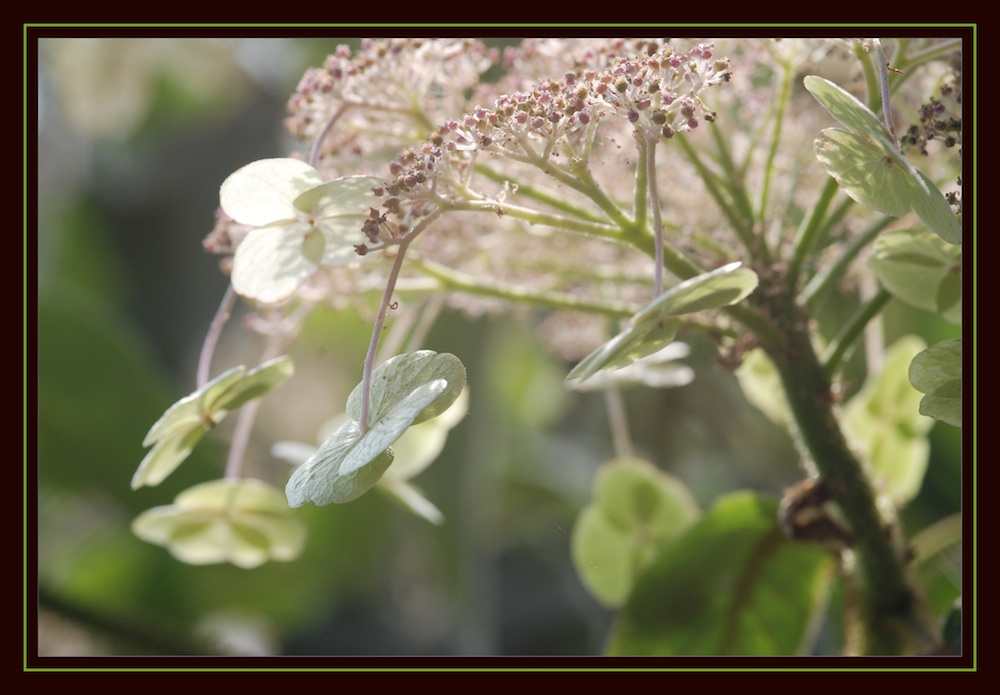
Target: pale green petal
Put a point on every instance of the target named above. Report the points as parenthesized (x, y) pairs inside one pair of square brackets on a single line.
[(244, 522), (416, 449), (269, 264), (342, 234), (192, 409), (411, 498), (351, 195), (167, 455), (262, 192)]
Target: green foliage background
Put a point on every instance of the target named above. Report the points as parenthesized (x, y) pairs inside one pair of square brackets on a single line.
[(125, 295)]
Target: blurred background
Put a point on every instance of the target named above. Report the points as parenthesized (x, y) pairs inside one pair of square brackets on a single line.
[(135, 135)]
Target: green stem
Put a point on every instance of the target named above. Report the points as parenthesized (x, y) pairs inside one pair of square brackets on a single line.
[(460, 282), (559, 203), (648, 152), (712, 184), (854, 327), (781, 107), (824, 282), (889, 613), (531, 216), (735, 185), (809, 232)]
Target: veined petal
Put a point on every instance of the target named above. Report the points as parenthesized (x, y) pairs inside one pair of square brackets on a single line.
[(269, 264), (263, 192), (342, 234), (351, 195), (167, 455)]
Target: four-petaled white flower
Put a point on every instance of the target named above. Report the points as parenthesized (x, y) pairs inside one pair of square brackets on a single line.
[(414, 451), (243, 522), (299, 224)]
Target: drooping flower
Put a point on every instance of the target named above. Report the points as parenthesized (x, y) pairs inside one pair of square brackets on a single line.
[(414, 451), (299, 224), (243, 522)]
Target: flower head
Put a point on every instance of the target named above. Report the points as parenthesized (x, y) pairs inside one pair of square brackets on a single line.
[(299, 224), (414, 451), (243, 522)]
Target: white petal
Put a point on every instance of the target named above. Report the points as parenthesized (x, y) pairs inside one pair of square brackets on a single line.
[(262, 192), (269, 265), (342, 234)]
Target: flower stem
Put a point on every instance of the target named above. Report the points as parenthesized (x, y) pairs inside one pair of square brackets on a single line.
[(383, 310), (649, 148), (212, 337)]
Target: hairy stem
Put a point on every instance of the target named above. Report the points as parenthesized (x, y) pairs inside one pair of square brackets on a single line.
[(890, 618)]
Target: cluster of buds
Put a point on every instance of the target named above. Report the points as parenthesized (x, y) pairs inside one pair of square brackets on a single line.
[(938, 120), (658, 93), (389, 92)]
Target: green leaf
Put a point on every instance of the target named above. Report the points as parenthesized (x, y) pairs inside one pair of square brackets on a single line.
[(865, 171), (886, 425), (733, 584), (932, 208), (937, 372), (658, 370), (871, 169), (629, 346), (761, 386), (847, 109), (921, 269), (937, 561), (192, 409), (651, 328), (637, 510), (402, 374)]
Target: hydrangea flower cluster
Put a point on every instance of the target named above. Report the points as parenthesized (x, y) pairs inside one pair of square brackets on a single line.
[(392, 92), (658, 93)]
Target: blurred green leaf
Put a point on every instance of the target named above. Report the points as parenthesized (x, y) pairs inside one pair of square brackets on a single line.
[(937, 373), (921, 269), (636, 511), (864, 171), (886, 424), (733, 584)]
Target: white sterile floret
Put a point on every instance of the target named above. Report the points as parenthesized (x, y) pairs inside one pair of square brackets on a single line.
[(299, 224)]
